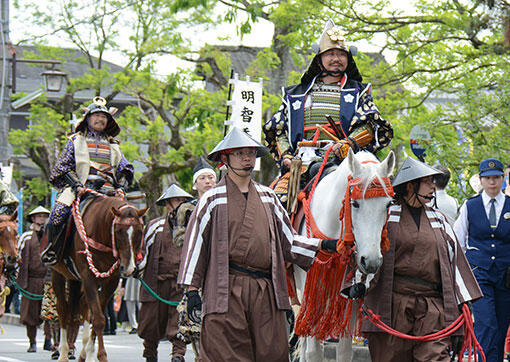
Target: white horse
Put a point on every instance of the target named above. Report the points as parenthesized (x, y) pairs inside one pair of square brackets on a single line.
[(368, 219)]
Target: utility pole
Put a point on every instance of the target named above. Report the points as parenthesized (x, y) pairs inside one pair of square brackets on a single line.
[(5, 92)]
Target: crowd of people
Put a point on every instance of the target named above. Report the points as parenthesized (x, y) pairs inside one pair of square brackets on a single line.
[(221, 255)]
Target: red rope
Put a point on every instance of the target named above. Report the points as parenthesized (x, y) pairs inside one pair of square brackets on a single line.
[(470, 342), (86, 240)]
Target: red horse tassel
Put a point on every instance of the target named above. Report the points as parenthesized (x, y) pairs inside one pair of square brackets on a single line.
[(324, 312)]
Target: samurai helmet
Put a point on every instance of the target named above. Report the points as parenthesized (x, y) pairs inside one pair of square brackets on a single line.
[(202, 167), (332, 38), (38, 210), (413, 169), (236, 138), (99, 105), (173, 191)]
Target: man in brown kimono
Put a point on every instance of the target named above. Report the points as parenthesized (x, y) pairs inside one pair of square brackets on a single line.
[(425, 277), (237, 240), (31, 277), (160, 265)]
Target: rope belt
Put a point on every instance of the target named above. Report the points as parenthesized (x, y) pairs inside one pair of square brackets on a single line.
[(257, 274), (435, 287)]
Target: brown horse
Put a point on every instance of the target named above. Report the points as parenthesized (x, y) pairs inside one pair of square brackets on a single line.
[(8, 251), (115, 228)]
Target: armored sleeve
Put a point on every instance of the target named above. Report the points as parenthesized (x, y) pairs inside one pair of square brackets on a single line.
[(64, 165), (368, 114)]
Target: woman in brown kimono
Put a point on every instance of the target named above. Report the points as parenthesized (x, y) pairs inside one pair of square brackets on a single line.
[(424, 278)]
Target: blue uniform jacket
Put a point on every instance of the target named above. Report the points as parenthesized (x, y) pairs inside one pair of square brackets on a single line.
[(487, 246)]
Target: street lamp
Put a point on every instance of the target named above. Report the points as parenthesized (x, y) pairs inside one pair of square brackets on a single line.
[(53, 80)]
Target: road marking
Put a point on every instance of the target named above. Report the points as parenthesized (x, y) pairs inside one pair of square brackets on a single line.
[(7, 359)]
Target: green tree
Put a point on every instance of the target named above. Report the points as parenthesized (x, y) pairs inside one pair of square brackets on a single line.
[(172, 122), (446, 67)]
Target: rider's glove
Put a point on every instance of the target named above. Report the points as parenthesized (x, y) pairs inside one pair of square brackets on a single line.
[(194, 306), (341, 149), (72, 180), (456, 344), (469, 304), (10, 269), (357, 291), (329, 245)]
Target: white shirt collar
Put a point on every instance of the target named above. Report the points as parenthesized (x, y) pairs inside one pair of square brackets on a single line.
[(500, 198)]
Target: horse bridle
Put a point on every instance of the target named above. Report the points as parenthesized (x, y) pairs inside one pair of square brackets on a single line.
[(129, 221), (354, 191)]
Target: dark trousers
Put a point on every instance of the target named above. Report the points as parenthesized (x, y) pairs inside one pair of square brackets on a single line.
[(109, 314), (492, 312)]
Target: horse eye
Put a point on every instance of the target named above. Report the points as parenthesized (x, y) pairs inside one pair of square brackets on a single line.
[(355, 204)]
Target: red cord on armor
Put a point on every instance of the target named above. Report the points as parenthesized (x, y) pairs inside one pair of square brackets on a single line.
[(470, 342)]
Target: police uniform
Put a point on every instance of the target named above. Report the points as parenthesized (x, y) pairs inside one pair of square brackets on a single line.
[(487, 247)]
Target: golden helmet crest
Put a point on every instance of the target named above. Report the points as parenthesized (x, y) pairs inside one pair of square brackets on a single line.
[(332, 38)]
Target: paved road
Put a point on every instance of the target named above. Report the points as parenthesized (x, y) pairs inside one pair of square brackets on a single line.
[(122, 347)]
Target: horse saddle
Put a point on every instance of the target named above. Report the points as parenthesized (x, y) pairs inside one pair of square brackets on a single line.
[(63, 239)]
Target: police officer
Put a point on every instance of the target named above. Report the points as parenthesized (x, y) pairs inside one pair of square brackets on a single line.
[(483, 229)]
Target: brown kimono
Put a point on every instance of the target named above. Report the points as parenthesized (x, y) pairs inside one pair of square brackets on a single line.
[(235, 248), (423, 279), (160, 262), (31, 278)]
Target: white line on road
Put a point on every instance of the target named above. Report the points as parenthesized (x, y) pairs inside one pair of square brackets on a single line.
[(7, 359)]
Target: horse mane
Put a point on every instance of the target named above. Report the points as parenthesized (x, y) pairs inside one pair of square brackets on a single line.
[(368, 173)]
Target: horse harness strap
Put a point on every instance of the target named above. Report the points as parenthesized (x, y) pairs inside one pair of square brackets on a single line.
[(130, 221), (88, 241), (379, 187)]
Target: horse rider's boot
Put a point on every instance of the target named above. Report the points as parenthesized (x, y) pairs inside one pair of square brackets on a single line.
[(56, 235), (32, 348), (151, 359)]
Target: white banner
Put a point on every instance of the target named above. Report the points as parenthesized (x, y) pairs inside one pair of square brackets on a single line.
[(246, 107)]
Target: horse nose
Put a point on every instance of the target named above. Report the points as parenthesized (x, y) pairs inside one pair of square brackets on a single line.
[(369, 266), (122, 270)]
